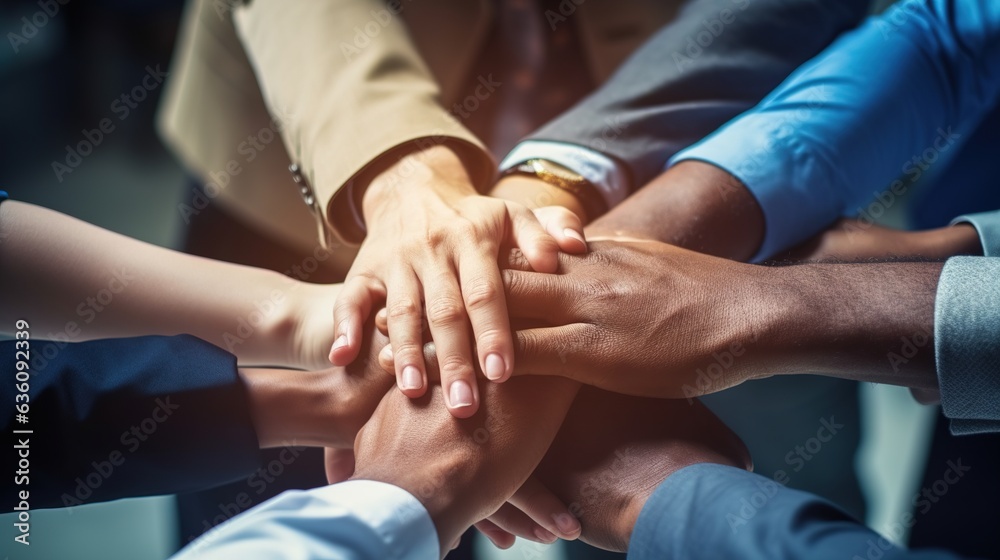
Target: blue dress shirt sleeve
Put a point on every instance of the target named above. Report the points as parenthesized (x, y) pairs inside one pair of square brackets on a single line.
[(881, 104), (966, 335), (356, 520), (709, 511)]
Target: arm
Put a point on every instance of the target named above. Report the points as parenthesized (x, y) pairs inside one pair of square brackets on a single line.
[(674, 91), (128, 417), (335, 108), (830, 137), (745, 515), (708, 323), (167, 414), (74, 281)]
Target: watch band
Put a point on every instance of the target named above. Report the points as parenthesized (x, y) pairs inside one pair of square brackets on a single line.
[(564, 179)]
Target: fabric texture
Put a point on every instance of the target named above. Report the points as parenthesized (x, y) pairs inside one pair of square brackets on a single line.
[(357, 520), (830, 139), (967, 343), (128, 417), (710, 511)]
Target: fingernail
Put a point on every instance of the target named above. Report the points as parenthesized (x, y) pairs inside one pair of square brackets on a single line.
[(567, 524), (460, 395), (386, 353), (411, 378), (572, 233), (339, 343), (495, 368), (544, 535)]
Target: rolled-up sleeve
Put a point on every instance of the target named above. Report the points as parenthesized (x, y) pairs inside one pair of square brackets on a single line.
[(879, 105)]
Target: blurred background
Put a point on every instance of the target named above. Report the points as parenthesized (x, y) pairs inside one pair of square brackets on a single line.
[(62, 73)]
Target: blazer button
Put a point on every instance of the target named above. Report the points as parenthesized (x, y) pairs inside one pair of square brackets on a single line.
[(305, 189)]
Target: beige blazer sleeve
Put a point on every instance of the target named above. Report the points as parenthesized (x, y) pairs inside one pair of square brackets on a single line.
[(351, 92)]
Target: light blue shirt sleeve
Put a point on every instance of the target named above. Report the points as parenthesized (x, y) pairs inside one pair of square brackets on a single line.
[(603, 172), (865, 118), (966, 343), (356, 520), (708, 511)]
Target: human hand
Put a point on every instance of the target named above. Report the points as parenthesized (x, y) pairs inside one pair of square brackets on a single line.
[(855, 241), (433, 244), (606, 465), (642, 318), (317, 408), (461, 471)]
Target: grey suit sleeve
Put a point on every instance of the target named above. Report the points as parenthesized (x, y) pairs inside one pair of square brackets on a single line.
[(717, 59), (967, 343)]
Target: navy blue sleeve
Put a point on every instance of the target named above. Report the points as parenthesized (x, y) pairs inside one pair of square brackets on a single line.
[(125, 417), (710, 511)]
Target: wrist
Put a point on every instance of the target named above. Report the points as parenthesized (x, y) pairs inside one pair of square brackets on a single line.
[(536, 193), (436, 170), (293, 408), (962, 239)]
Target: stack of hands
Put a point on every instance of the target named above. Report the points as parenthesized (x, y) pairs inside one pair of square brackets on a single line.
[(490, 316)]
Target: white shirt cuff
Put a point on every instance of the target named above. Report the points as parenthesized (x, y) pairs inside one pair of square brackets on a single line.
[(603, 172)]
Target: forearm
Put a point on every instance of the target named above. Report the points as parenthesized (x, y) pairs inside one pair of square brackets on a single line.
[(692, 205), (871, 322), (74, 281)]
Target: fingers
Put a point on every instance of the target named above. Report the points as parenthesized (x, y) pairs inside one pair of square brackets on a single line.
[(353, 307), (545, 509), (564, 226), (541, 250), (339, 464), (450, 332), (403, 319), (500, 538), (516, 522), (483, 291), (530, 295), (382, 321), (558, 351)]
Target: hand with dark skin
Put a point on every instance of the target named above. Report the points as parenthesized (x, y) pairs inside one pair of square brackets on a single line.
[(646, 318), (462, 471), (607, 464)]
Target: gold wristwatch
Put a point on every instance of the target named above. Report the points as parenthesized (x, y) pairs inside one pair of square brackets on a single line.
[(565, 179)]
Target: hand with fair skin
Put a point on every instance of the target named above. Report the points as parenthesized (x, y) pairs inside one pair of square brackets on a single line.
[(433, 244)]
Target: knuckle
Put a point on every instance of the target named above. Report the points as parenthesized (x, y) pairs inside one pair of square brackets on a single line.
[(481, 293), (492, 339), (403, 309), (407, 354), (445, 311), (454, 366)]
